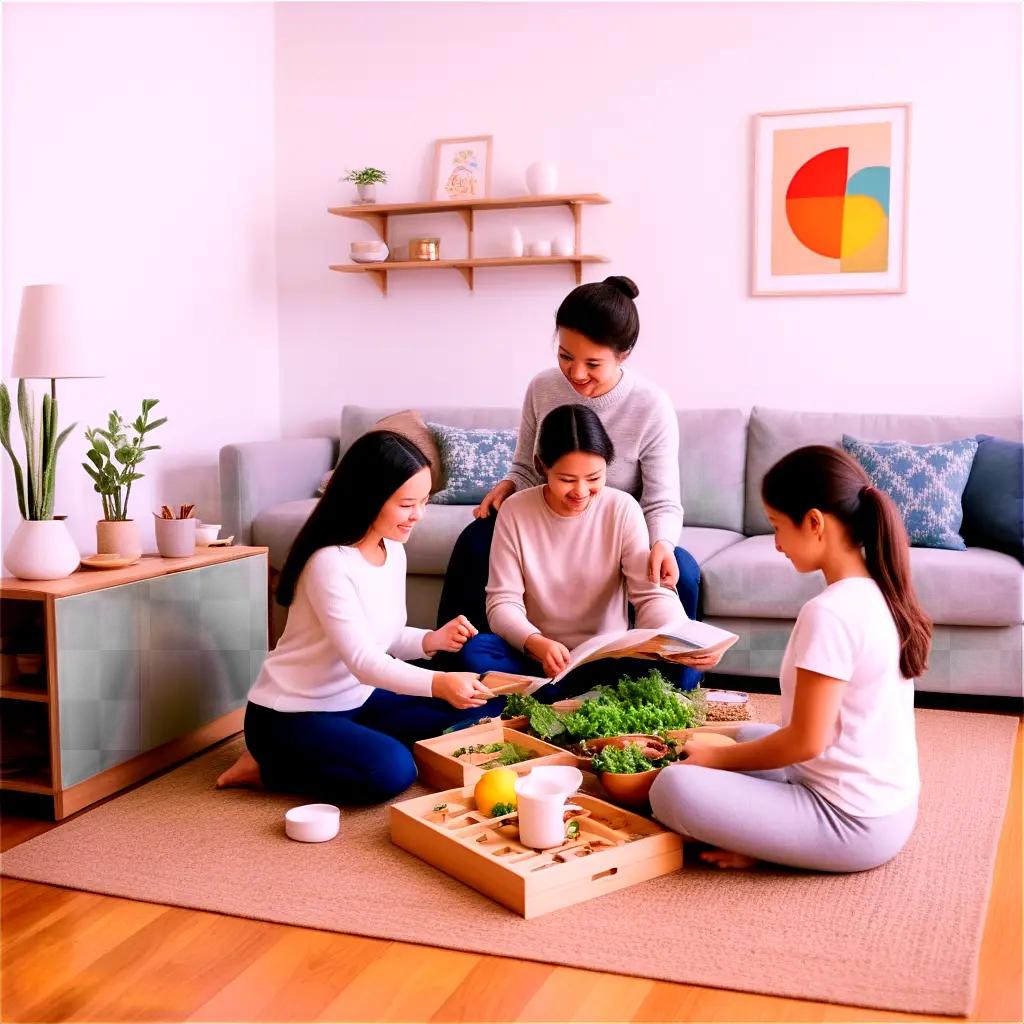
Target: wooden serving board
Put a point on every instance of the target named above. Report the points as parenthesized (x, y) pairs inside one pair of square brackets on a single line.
[(614, 849), (440, 769)]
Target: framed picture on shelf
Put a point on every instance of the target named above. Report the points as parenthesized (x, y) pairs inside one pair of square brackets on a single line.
[(462, 168), (830, 201)]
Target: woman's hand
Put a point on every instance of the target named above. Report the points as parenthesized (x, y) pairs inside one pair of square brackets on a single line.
[(701, 754), (460, 689), (550, 653), (699, 661), (493, 499), (662, 568), (450, 637)]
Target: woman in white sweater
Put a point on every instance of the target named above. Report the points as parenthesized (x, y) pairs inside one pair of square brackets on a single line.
[(597, 328), (335, 707), (567, 559)]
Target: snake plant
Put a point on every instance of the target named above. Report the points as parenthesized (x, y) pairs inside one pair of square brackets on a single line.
[(36, 485)]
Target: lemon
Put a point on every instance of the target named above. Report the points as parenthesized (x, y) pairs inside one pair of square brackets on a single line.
[(498, 786)]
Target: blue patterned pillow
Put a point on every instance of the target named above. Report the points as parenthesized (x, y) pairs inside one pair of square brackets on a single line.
[(926, 481), (474, 460)]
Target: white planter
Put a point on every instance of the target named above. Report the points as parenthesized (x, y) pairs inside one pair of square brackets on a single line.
[(515, 242), (175, 538), (41, 550), (367, 193), (542, 178)]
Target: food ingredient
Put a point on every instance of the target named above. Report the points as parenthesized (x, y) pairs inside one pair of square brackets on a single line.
[(495, 787), (625, 760), (508, 753), (544, 722)]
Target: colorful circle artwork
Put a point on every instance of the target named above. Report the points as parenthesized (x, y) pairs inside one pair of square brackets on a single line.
[(841, 215)]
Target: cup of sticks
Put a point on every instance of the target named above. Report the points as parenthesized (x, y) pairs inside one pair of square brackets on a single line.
[(175, 534)]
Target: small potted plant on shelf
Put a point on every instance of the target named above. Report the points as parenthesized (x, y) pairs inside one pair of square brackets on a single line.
[(114, 458), (366, 181), (41, 547)]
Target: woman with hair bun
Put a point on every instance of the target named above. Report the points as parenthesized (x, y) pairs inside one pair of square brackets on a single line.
[(597, 328)]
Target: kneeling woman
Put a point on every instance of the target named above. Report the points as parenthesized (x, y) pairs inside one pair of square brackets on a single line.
[(834, 788), (334, 709), (566, 560)]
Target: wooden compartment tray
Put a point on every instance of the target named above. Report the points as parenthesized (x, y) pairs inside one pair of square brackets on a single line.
[(614, 849), (439, 769)]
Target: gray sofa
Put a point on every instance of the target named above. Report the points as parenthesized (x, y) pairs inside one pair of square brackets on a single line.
[(974, 597)]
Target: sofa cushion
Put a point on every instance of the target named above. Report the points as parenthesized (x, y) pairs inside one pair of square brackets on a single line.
[(704, 542), (976, 587), (774, 432), (427, 552), (475, 459), (712, 462), (993, 500), (925, 481)]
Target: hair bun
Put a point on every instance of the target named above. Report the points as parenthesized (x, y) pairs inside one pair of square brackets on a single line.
[(624, 285)]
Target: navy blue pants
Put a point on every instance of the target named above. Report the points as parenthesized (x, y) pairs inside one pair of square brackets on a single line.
[(465, 593), (488, 652), (360, 756)]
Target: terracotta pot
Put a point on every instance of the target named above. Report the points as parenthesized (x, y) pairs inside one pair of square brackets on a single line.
[(118, 537), (41, 549)]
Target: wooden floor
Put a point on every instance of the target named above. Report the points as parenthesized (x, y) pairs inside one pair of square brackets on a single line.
[(69, 955)]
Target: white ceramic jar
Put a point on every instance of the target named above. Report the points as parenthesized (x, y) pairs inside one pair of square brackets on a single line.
[(542, 178)]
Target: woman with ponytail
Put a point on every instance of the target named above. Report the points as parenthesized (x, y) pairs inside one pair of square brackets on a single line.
[(597, 326), (833, 787)]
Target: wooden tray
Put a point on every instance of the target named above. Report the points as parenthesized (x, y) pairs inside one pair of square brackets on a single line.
[(614, 849), (439, 769)]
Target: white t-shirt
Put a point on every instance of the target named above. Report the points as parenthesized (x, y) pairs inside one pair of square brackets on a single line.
[(345, 635), (869, 768)]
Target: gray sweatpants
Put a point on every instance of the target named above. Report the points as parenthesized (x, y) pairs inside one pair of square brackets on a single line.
[(771, 816)]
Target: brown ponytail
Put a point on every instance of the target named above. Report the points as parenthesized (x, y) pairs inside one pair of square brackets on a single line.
[(830, 480)]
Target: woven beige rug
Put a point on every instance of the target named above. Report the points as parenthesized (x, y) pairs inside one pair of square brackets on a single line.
[(903, 937)]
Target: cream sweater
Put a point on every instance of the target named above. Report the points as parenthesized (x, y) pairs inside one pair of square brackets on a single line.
[(570, 577), (346, 635), (643, 427)]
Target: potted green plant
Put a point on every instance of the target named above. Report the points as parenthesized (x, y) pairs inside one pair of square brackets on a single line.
[(41, 547), (114, 457), (366, 181)]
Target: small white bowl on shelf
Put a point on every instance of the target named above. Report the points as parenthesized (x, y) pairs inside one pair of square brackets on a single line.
[(312, 823), (368, 252), (206, 533)]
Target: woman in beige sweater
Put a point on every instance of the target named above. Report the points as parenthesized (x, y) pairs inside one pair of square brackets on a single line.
[(567, 560)]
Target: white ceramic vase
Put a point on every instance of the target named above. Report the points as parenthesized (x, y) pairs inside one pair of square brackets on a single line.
[(41, 549), (515, 242), (542, 178)]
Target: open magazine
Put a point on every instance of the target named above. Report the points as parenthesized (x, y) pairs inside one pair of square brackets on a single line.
[(649, 644)]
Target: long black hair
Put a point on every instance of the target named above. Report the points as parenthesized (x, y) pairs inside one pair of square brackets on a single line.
[(829, 480), (604, 312), (572, 428), (371, 471)]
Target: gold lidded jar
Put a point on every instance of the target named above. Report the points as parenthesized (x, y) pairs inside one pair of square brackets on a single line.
[(424, 248)]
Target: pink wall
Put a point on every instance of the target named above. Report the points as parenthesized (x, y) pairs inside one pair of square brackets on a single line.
[(650, 104), (138, 166)]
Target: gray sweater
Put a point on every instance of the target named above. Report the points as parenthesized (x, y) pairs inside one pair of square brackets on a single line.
[(643, 427)]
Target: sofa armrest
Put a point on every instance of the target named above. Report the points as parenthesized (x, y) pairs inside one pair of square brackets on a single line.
[(258, 474)]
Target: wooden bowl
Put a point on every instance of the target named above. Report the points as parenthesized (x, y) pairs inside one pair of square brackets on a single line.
[(631, 790)]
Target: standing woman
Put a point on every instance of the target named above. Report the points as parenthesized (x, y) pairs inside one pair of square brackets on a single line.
[(335, 708), (597, 326)]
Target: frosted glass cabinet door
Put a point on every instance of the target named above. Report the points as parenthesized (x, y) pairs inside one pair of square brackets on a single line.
[(144, 663)]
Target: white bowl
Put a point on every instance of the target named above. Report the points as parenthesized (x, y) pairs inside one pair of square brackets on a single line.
[(206, 533), (366, 257), (312, 823)]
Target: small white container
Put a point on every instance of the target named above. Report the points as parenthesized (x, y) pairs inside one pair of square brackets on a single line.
[(541, 797), (206, 533), (312, 823), (515, 242), (542, 178), (562, 245), (542, 248)]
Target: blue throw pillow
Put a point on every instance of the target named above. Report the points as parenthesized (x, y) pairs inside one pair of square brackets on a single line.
[(474, 460), (926, 481), (994, 497)]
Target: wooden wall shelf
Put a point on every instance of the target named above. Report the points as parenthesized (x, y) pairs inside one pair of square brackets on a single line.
[(378, 216)]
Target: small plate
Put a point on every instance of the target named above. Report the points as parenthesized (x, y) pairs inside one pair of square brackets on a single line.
[(222, 542), (108, 561)]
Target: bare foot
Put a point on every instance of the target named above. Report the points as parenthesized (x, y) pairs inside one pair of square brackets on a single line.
[(244, 772), (728, 859)]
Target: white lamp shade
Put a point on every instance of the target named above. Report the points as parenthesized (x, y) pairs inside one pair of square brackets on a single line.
[(50, 342)]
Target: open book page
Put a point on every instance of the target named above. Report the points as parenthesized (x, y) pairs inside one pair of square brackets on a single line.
[(686, 638)]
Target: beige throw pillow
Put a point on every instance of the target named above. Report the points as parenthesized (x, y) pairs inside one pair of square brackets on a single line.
[(409, 423)]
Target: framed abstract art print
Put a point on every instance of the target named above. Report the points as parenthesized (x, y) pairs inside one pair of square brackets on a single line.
[(462, 168), (830, 201)]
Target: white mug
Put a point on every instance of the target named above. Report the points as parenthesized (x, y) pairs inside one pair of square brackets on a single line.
[(540, 799)]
